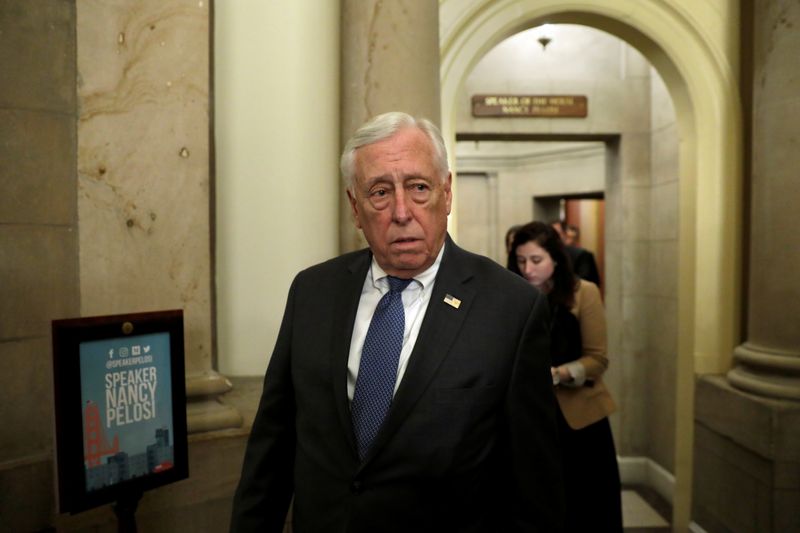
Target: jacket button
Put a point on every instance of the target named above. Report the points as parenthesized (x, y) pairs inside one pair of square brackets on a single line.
[(356, 486)]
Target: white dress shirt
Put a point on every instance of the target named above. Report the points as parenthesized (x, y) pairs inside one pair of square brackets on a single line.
[(415, 302)]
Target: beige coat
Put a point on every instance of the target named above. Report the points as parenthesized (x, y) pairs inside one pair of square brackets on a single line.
[(585, 405)]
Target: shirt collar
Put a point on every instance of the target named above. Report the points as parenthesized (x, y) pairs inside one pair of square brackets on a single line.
[(425, 278)]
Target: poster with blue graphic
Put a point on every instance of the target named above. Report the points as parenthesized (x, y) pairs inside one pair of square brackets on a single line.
[(126, 402)]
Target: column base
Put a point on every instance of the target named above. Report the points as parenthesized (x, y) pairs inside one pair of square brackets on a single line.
[(746, 460), (205, 408), (766, 372)]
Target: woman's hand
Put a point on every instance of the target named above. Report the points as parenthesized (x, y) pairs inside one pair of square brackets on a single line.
[(560, 374)]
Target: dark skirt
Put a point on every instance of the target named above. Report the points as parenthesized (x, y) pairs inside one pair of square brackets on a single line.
[(591, 477)]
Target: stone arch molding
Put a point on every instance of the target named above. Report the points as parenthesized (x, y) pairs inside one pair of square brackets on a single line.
[(702, 84)]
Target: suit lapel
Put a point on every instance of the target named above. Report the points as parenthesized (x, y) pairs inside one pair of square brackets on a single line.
[(437, 333), (347, 298)]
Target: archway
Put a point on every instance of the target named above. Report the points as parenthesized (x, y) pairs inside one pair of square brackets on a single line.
[(702, 86)]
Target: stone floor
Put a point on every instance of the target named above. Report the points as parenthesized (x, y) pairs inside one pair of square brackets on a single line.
[(644, 510)]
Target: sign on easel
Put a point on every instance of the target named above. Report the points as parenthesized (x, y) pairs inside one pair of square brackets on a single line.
[(120, 404)]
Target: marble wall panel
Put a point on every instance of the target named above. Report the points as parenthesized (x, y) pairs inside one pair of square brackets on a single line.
[(613, 280), (620, 105), (664, 212), (635, 212), (787, 444), (662, 271), (567, 175), (37, 52), (635, 256), (613, 304), (26, 401), (39, 266), (663, 276), (38, 184), (505, 204), (634, 327), (635, 64), (664, 153), (661, 379), (389, 59), (662, 109), (759, 424), (143, 162), (732, 480), (38, 243), (475, 199), (635, 159), (634, 358), (785, 505), (661, 339), (776, 49), (612, 379), (634, 109), (614, 211), (578, 126), (32, 506)]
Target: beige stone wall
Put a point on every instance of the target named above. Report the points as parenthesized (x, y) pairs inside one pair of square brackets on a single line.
[(660, 289), (143, 163), (38, 242)]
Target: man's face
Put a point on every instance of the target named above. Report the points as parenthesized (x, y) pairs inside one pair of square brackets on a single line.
[(400, 202), (556, 226), (570, 237)]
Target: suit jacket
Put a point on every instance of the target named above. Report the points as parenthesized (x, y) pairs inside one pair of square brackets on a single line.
[(586, 405), (469, 442), (583, 264)]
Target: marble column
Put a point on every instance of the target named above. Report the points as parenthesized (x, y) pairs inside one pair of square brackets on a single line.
[(390, 62), (144, 185), (747, 427), (768, 363)]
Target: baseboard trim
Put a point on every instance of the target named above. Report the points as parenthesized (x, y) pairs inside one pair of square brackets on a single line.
[(645, 471)]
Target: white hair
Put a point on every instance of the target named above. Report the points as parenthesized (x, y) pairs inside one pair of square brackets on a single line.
[(384, 126)]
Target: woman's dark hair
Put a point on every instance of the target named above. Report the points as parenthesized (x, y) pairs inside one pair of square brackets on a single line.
[(510, 235), (564, 280)]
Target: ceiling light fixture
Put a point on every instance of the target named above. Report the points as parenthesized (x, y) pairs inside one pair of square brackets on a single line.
[(544, 38), (544, 41)]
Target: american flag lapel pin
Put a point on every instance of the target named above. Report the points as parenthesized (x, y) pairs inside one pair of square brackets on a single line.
[(452, 301)]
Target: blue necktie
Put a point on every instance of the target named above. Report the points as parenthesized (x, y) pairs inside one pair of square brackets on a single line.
[(377, 371)]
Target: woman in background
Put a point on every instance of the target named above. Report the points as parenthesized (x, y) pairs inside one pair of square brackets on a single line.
[(578, 353)]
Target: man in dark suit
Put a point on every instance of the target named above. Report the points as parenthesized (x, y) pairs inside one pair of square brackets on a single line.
[(457, 432), (583, 262)]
